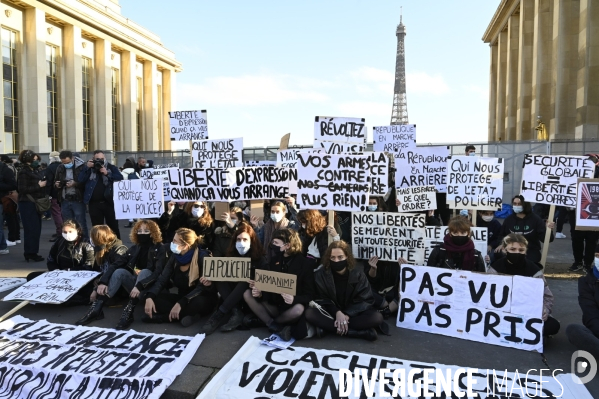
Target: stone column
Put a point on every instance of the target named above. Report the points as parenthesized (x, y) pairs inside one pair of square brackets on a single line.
[(73, 98), (150, 109), (129, 98), (34, 104), (587, 93), (524, 125), (168, 85), (501, 86), (541, 63), (513, 43), (103, 95)]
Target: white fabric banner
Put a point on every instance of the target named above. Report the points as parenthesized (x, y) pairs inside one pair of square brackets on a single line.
[(474, 183), (389, 236), (259, 371), (188, 125), (66, 361), (52, 287), (348, 130), (423, 166), (394, 139), (552, 179), (217, 154), (472, 306), (7, 284), (140, 198)]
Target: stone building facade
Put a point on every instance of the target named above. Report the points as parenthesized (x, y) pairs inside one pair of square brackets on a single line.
[(78, 75), (544, 62)]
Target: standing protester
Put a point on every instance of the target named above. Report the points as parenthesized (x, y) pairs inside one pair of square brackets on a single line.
[(515, 264), (560, 220), (51, 190), (195, 295), (532, 227), (69, 191), (583, 244), (10, 203), (99, 177), (194, 216), (8, 184), (344, 298), (244, 245), (31, 187), (314, 234), (457, 250), (283, 313)]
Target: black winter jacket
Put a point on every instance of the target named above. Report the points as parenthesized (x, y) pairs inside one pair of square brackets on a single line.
[(532, 228), (169, 224), (494, 236), (50, 176), (588, 299), (61, 175), (439, 257), (358, 295), (304, 270), (157, 256), (28, 183), (387, 274), (8, 180), (74, 256), (116, 255)]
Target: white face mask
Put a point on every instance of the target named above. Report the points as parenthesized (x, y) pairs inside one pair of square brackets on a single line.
[(175, 248), (487, 218), (596, 263), (242, 247), (276, 217), (71, 236), (372, 208), (518, 208), (234, 221), (197, 212), (472, 154)]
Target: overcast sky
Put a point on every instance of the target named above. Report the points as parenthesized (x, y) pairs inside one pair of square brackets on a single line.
[(266, 68)]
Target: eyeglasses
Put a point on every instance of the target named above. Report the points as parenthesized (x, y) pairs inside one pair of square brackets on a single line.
[(199, 206)]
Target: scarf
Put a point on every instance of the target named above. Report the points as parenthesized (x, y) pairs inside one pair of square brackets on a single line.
[(467, 250), (191, 258), (93, 175)]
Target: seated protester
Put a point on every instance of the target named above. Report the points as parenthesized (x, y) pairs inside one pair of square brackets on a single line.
[(494, 237), (108, 250), (71, 252), (515, 263), (314, 233), (194, 216), (586, 336), (195, 295), (227, 226), (457, 250), (283, 313), (137, 270), (524, 221), (344, 295), (277, 221), (245, 244), (382, 277)]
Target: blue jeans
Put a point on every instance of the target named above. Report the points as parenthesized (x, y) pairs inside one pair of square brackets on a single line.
[(75, 211), (2, 238), (32, 227)]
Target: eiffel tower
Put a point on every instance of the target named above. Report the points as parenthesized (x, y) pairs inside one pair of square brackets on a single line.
[(399, 114)]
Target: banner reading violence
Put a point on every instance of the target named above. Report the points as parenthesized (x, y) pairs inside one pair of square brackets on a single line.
[(435, 235), (495, 309), (254, 183), (423, 166), (217, 154), (474, 183), (188, 125), (260, 371), (417, 198), (67, 361), (348, 130), (394, 139), (140, 198), (333, 182), (552, 179), (389, 236), (53, 287)]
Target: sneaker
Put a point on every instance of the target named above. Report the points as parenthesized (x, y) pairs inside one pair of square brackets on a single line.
[(4, 252), (10, 243), (18, 241), (560, 235), (575, 267)]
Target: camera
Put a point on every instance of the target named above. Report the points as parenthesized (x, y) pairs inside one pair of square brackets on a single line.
[(98, 164)]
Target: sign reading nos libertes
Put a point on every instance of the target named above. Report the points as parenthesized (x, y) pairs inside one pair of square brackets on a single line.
[(188, 125)]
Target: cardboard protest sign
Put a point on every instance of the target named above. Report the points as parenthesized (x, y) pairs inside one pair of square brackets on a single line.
[(217, 154), (423, 166), (333, 182), (66, 361), (587, 204), (552, 179), (259, 163), (474, 183), (279, 283), (221, 208), (7, 284), (141, 198), (227, 269), (263, 182), (52, 287), (284, 141), (389, 236), (257, 209), (472, 306), (394, 139), (287, 158), (259, 371), (338, 147), (417, 198), (348, 130), (188, 125), (379, 173), (435, 235)]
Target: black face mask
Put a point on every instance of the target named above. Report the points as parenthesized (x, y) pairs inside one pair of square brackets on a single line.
[(144, 238), (516, 259), (460, 240), (338, 266)]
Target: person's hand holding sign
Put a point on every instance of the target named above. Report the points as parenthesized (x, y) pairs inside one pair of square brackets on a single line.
[(205, 282), (287, 298)]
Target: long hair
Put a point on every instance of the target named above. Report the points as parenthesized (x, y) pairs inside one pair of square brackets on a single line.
[(256, 250), (342, 245), (102, 236), (75, 225), (189, 237), (526, 206), (26, 156), (315, 222), (289, 236), (152, 226), (206, 219)]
